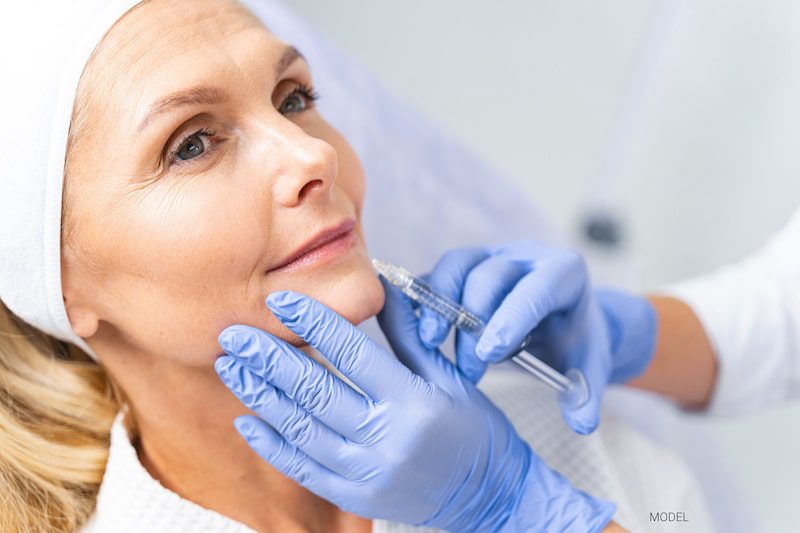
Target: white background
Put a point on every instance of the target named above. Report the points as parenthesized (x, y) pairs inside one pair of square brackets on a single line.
[(684, 117)]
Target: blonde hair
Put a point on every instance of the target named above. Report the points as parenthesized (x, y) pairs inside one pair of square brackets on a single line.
[(56, 411)]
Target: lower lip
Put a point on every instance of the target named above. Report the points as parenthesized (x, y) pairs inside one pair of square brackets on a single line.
[(320, 254)]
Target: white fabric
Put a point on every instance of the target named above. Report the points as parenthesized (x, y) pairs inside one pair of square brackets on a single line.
[(751, 313), (45, 45), (616, 463)]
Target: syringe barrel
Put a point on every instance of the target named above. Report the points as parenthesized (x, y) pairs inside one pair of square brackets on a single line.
[(457, 315)]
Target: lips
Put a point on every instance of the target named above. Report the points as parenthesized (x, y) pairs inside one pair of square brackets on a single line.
[(324, 244)]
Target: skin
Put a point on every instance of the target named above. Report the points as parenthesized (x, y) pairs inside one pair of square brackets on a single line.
[(684, 366), (160, 256)]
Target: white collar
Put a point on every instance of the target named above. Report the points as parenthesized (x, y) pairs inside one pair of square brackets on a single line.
[(131, 500)]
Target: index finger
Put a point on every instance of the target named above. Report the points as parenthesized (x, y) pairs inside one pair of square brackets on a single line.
[(551, 287), (447, 279), (374, 370), (276, 365)]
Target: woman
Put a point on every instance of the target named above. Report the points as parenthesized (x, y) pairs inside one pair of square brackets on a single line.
[(198, 178)]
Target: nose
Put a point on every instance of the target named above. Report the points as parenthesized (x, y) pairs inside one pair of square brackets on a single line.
[(306, 166)]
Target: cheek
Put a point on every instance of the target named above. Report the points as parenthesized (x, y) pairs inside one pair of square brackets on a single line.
[(356, 294), (353, 184), (187, 234), (181, 265), (350, 178)]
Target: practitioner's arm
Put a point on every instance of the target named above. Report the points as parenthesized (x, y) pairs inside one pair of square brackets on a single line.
[(684, 366)]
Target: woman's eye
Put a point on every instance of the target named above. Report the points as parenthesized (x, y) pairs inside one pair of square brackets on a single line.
[(292, 104), (300, 99), (192, 146)]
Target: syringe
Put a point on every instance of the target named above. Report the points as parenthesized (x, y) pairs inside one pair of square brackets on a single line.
[(571, 387)]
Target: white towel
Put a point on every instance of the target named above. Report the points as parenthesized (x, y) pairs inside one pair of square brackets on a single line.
[(44, 47)]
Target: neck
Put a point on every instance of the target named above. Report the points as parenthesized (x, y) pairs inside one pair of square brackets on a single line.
[(183, 418)]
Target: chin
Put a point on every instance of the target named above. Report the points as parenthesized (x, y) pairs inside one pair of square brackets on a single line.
[(353, 291), (357, 296)]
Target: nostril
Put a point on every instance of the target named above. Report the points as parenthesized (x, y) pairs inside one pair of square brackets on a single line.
[(308, 187)]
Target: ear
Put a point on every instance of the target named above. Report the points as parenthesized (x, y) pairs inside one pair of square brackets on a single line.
[(84, 320)]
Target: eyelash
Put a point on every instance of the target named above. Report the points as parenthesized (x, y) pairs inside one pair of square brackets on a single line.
[(203, 132), (303, 90), (307, 92)]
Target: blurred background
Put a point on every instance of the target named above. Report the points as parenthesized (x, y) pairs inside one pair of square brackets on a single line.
[(658, 135)]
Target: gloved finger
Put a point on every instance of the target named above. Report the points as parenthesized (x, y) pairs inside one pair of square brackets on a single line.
[(447, 279), (596, 368), (293, 422), (584, 420), (358, 357), (485, 288), (489, 282), (398, 321), (468, 364), (289, 460), (552, 286), (301, 378)]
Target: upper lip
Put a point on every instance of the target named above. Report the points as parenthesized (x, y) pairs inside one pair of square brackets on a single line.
[(323, 237)]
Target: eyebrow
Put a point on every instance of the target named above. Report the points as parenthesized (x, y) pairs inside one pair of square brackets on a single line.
[(206, 94), (290, 53)]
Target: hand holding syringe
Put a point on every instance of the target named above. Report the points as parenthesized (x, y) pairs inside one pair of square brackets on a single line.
[(571, 387)]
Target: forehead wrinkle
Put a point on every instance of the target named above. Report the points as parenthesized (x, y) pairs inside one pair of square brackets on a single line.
[(132, 37), (137, 59), (128, 56)]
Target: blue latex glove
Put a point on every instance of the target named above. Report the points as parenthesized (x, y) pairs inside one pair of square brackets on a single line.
[(423, 447), (529, 287)]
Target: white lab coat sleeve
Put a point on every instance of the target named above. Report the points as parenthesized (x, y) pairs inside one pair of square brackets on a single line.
[(751, 314)]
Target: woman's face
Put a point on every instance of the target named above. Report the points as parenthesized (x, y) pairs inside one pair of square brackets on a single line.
[(201, 178)]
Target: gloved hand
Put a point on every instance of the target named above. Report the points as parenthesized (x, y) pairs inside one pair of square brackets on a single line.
[(421, 446), (529, 287)]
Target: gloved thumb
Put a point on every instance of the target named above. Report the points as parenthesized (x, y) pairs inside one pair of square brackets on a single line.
[(468, 363), (585, 418), (596, 365), (399, 322)]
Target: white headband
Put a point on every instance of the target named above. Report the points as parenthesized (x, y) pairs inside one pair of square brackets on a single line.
[(44, 47)]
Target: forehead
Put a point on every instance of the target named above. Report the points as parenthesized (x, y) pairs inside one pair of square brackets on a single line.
[(166, 45), (154, 27)]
